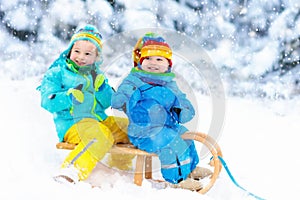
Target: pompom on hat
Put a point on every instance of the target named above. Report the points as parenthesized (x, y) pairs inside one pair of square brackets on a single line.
[(89, 33), (151, 44)]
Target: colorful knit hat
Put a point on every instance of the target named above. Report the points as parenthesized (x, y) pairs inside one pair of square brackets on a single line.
[(151, 44), (90, 33)]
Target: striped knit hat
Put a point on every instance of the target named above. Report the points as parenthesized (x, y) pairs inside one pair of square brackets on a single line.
[(90, 33), (151, 44)]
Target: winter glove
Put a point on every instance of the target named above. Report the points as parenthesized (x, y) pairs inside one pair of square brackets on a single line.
[(175, 113), (98, 80), (76, 94)]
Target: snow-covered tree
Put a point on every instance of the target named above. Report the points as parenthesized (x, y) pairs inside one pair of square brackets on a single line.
[(254, 43)]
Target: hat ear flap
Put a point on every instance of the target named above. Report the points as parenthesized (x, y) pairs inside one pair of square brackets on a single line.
[(170, 62), (136, 53)]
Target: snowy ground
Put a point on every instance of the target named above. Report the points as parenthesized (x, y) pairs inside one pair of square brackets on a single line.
[(258, 142)]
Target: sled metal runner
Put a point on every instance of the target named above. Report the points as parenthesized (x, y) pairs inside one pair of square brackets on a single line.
[(143, 164)]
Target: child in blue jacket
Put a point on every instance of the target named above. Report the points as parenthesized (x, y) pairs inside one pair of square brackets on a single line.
[(77, 93), (156, 109)]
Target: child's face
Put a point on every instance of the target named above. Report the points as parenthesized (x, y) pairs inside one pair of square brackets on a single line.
[(83, 53), (156, 64)]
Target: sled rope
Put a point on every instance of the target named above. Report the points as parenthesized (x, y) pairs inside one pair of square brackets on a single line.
[(234, 181)]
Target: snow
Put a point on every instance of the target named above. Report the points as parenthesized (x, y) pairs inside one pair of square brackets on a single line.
[(66, 12), (262, 59), (142, 19), (258, 142), (19, 18), (106, 11), (259, 138)]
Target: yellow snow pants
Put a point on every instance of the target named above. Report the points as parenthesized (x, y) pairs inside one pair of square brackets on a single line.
[(94, 139)]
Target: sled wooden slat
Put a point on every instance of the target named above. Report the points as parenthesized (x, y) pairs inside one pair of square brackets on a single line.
[(65, 145), (148, 167), (143, 167), (117, 148)]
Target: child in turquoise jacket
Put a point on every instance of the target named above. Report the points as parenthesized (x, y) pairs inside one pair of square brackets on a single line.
[(156, 109), (77, 93)]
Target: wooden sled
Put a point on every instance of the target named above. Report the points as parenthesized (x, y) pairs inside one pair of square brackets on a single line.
[(144, 160)]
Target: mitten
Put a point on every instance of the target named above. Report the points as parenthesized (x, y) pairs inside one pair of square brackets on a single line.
[(98, 80), (76, 94)]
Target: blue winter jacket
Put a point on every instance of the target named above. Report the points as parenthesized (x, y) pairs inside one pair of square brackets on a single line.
[(150, 101), (58, 79), (156, 108)]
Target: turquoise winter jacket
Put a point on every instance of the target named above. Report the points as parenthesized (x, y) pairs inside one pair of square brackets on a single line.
[(58, 79)]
